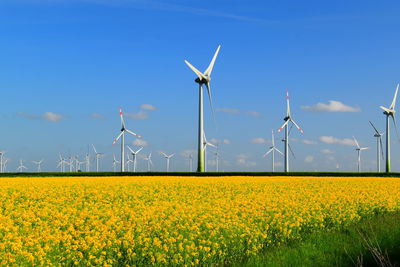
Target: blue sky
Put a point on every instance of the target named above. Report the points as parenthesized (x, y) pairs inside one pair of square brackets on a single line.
[(67, 66)]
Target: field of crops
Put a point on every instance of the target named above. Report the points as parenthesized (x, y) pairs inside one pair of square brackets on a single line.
[(175, 220)]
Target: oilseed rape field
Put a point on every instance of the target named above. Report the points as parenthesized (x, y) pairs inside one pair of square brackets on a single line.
[(140, 221)]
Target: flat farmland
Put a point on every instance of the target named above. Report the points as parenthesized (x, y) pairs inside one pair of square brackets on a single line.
[(176, 220)]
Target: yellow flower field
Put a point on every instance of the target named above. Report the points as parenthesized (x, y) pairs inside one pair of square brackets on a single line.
[(174, 220)]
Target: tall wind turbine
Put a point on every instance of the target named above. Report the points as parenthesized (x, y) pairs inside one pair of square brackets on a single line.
[(359, 149), (39, 165), (1, 161), (167, 157), (203, 79), (288, 119), (272, 150), (206, 143), (379, 148), (98, 156), (21, 166), (149, 162), (115, 162), (134, 153), (389, 112), (122, 134)]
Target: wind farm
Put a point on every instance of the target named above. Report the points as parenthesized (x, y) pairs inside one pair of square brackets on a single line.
[(173, 133)]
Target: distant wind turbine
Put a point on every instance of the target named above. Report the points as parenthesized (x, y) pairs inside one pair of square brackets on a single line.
[(98, 156), (134, 158), (272, 150), (39, 165), (149, 162), (1, 161), (359, 149), (115, 162), (379, 147), (167, 158), (206, 143), (389, 112), (288, 119), (21, 166), (203, 79), (122, 136)]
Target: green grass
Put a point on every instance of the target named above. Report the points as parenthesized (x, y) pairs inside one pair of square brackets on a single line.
[(299, 174), (352, 246)]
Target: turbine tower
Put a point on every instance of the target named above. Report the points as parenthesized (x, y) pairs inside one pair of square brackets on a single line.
[(206, 143), (203, 79), (122, 134), (288, 119), (134, 153), (379, 148), (98, 156), (1, 161), (359, 149), (149, 162), (167, 157), (389, 112), (115, 162), (190, 162), (273, 149), (39, 165)]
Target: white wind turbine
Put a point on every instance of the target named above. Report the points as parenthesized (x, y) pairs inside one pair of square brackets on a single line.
[(70, 163), (288, 119), (389, 112), (5, 160), (190, 162), (379, 147), (39, 165), (21, 166), (272, 150), (87, 162), (122, 134), (206, 143), (134, 158), (149, 162), (359, 149), (98, 156), (217, 158), (61, 163), (168, 158), (203, 79), (1, 161), (115, 162)]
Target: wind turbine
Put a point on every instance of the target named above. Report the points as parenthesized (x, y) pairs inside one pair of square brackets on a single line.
[(5, 160), (87, 162), (128, 162), (203, 79), (273, 149), (1, 161), (206, 143), (134, 153), (190, 162), (288, 119), (359, 149), (122, 134), (61, 163), (149, 162), (217, 158), (115, 162), (39, 165), (379, 148), (389, 112), (21, 166), (98, 156), (167, 157)]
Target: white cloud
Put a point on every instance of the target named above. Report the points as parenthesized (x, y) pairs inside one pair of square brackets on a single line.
[(258, 140), (326, 151), (141, 115), (226, 142), (52, 117), (309, 159), (333, 106), (309, 142), (254, 114), (334, 140), (97, 116), (148, 107), (243, 160), (228, 110), (140, 142)]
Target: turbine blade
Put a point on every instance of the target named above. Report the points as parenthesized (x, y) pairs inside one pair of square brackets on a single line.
[(172, 155), (355, 141), (165, 155), (269, 151), (211, 66), (122, 118), (139, 150), (133, 152), (95, 151), (385, 109), (118, 137), (210, 98), (394, 98), (277, 150), (132, 133), (374, 128), (198, 73), (297, 126), (380, 140), (395, 127), (283, 126), (287, 103)]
